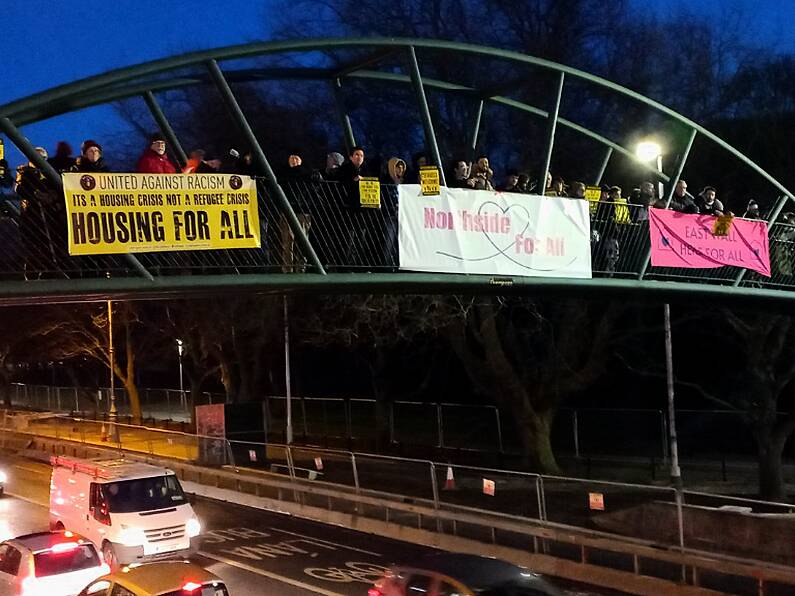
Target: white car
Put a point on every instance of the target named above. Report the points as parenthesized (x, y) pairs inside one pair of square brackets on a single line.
[(48, 564), (3, 478)]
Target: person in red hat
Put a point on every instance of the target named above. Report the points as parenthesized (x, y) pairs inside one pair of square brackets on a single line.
[(154, 159), (90, 159)]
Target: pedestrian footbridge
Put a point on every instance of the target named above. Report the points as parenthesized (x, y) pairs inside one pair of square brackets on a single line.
[(309, 235)]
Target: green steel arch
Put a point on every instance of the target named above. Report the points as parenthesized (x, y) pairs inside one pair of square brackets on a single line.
[(201, 67)]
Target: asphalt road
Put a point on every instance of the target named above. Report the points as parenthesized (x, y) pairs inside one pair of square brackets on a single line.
[(256, 552)]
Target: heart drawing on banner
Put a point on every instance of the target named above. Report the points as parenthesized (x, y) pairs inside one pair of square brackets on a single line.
[(513, 207)]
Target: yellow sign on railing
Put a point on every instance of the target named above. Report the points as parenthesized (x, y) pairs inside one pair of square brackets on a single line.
[(429, 181), (621, 212), (593, 194), (369, 192), (129, 213)]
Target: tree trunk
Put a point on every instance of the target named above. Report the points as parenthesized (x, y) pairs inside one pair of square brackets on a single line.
[(135, 401), (536, 432), (771, 477)]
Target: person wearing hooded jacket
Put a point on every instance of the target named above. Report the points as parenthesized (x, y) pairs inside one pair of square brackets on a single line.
[(90, 159), (154, 159)]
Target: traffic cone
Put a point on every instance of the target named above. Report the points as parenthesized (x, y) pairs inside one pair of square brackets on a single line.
[(449, 483), (103, 433)]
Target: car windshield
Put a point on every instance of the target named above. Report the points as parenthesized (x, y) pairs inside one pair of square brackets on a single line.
[(217, 590), (143, 494), (83, 556)]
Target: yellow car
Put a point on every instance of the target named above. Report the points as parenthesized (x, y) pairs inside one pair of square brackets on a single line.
[(173, 578)]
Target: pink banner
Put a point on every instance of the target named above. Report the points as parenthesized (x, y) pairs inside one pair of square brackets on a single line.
[(682, 240)]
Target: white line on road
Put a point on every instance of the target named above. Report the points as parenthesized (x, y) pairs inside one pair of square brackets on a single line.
[(274, 576), (34, 470), (28, 499), (337, 544)]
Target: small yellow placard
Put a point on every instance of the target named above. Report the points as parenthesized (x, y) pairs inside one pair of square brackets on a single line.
[(369, 192), (723, 225), (2, 150), (429, 181), (622, 212), (593, 194)]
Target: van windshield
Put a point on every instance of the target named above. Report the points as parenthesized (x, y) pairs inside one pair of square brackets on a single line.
[(143, 494)]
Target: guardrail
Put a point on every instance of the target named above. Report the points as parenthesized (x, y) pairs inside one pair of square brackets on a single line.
[(537, 535), (532, 496), (472, 431)]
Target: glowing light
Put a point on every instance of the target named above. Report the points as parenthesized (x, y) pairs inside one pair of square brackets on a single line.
[(648, 151)]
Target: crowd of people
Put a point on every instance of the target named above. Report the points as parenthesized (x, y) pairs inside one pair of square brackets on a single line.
[(609, 205)]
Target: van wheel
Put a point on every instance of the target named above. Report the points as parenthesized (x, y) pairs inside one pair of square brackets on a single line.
[(110, 556), (57, 527)]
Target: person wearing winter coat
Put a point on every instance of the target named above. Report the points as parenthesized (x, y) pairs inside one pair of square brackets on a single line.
[(90, 159), (154, 159)]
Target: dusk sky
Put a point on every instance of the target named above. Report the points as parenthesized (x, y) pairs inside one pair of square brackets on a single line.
[(45, 43)]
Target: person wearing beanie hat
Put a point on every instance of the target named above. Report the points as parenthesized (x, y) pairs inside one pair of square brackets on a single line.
[(90, 159), (333, 161), (154, 159)]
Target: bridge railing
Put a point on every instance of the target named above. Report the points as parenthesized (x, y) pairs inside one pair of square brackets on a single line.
[(345, 238)]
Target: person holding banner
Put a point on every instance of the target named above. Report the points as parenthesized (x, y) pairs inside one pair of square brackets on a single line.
[(482, 174), (460, 177), (90, 159), (154, 159)]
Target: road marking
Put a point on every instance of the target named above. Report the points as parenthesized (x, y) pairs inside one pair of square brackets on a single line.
[(268, 574), (34, 470), (337, 544), (28, 499)]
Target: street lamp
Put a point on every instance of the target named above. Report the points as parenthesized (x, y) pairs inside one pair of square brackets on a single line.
[(650, 151), (113, 414), (183, 402)]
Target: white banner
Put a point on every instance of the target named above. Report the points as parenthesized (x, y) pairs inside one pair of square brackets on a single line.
[(493, 233)]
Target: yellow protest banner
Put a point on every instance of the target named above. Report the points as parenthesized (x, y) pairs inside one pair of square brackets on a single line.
[(369, 192), (722, 225), (593, 194), (621, 212), (129, 213), (429, 181)]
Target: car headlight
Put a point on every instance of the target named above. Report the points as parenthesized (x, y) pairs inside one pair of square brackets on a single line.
[(193, 527), (3, 477), (132, 536)]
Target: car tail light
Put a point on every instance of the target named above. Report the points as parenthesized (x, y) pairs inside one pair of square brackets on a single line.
[(191, 586), (63, 547), (375, 592)]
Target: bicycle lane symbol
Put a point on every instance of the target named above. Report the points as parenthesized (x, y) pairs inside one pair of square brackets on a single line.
[(354, 571)]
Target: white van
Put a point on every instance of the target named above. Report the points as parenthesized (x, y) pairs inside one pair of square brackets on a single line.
[(133, 512)]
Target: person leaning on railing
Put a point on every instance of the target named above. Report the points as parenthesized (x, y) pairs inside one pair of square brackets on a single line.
[(681, 200)]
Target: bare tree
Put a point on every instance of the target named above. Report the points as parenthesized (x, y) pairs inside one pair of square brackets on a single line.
[(530, 356), (83, 331)]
